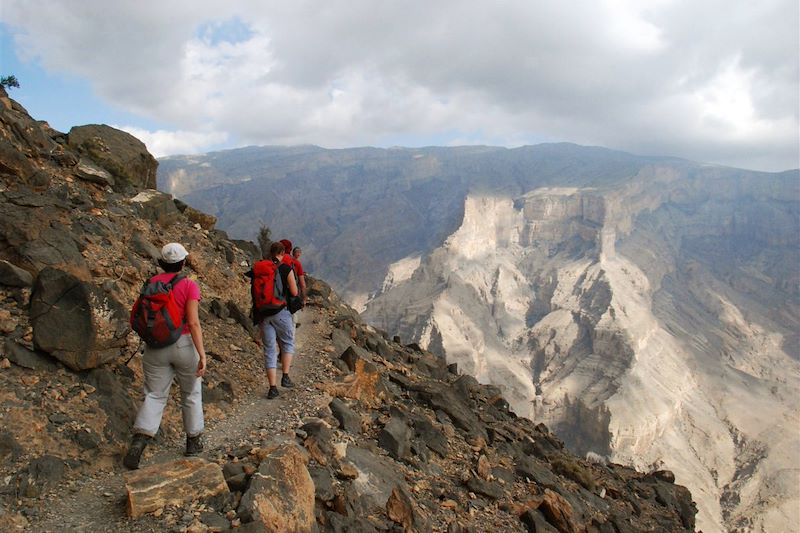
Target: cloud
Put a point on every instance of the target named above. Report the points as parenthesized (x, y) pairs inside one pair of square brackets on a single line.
[(707, 80), (161, 143)]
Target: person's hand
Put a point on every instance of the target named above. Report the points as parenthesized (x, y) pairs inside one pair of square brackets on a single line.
[(201, 367)]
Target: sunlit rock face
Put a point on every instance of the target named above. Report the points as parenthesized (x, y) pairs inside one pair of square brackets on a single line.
[(654, 321)]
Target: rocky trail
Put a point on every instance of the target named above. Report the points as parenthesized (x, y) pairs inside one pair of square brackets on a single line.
[(98, 503)]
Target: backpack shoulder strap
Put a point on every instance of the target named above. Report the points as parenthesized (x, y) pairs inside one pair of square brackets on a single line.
[(146, 283), (175, 280)]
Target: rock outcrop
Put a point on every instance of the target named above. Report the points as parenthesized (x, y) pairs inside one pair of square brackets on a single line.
[(124, 157), (444, 436), (79, 324), (363, 209)]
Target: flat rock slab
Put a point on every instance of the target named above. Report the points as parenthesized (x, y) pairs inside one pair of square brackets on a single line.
[(172, 483)]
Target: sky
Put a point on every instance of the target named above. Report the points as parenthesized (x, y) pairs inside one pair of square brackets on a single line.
[(715, 81)]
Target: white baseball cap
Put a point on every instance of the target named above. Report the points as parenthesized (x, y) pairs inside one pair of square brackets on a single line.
[(173, 252)]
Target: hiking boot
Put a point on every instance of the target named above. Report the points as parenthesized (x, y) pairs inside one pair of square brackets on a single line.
[(286, 382), (194, 445), (134, 455), (273, 393)]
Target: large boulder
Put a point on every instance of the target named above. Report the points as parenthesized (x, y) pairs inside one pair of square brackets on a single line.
[(78, 323), (35, 232), (173, 483), (395, 438), (118, 152), (156, 206), (377, 478), (281, 493)]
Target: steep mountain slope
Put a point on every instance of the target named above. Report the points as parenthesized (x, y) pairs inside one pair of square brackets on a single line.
[(377, 436), (655, 321)]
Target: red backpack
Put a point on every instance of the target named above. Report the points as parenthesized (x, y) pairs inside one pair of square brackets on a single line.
[(267, 287), (156, 316)]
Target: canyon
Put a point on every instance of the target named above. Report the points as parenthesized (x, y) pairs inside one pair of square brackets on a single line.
[(644, 308)]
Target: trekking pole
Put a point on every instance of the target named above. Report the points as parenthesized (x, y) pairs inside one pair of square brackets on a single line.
[(134, 352)]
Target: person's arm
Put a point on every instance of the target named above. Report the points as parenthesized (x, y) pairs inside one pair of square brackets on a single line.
[(193, 321), (291, 279), (303, 288)]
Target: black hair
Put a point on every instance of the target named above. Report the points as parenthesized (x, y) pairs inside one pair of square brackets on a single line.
[(171, 267), (276, 249)]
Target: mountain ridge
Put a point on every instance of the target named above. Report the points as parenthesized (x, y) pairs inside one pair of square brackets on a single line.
[(422, 198)]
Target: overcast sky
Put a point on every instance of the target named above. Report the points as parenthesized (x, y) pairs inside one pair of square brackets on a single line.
[(710, 80)]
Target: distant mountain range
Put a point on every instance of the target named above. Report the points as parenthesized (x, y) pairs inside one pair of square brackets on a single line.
[(648, 308), (358, 210)]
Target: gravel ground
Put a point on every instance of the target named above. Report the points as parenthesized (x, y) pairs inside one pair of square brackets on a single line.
[(97, 503)]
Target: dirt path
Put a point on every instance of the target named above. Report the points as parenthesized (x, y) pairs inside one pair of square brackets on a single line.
[(97, 504)]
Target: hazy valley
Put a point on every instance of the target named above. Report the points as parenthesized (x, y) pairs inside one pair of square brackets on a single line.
[(646, 308)]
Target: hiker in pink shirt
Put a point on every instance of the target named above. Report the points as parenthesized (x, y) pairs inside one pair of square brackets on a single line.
[(184, 359)]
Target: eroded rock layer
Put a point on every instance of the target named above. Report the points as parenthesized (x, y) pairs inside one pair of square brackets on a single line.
[(654, 321)]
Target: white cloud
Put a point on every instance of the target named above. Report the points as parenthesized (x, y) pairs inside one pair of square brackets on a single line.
[(161, 142), (709, 80)]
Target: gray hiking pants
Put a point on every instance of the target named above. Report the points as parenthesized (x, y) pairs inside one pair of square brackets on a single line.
[(160, 366)]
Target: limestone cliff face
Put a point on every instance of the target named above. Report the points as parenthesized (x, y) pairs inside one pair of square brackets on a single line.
[(655, 321), (356, 211)]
